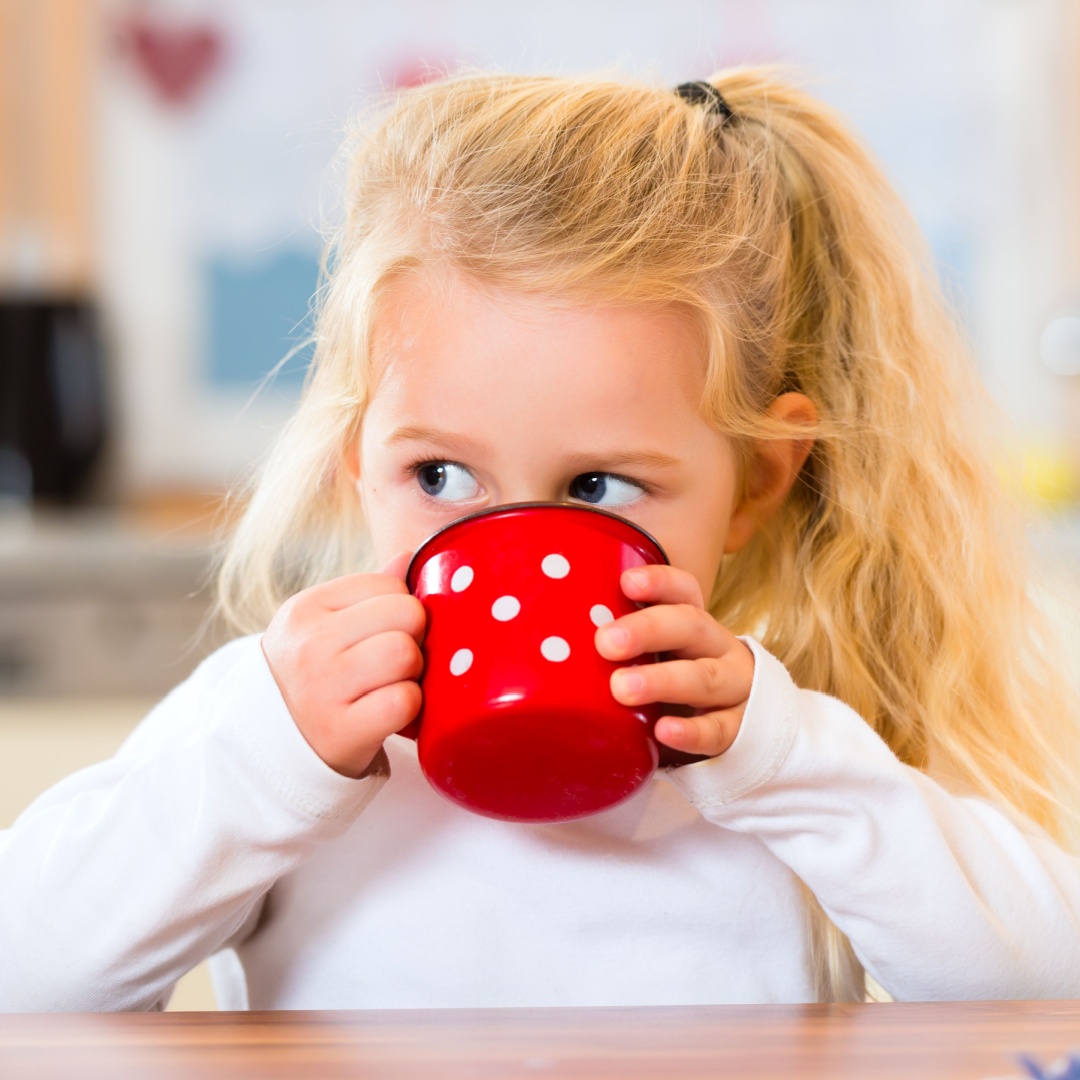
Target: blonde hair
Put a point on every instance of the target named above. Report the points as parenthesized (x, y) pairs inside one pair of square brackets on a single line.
[(895, 576)]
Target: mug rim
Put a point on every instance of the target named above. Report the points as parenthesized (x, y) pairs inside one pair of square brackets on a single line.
[(490, 510)]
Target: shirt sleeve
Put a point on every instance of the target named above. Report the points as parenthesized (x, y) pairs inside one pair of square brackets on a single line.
[(129, 873), (942, 896)]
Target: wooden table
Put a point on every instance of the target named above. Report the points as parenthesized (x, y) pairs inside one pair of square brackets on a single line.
[(872, 1042)]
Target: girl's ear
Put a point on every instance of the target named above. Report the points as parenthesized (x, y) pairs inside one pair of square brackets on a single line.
[(352, 461), (773, 469)]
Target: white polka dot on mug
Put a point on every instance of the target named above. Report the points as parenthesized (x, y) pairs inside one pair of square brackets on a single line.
[(555, 649), (461, 661), (506, 608), (555, 566), (601, 615), (462, 579)]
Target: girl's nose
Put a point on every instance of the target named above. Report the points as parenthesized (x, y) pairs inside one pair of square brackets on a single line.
[(535, 492)]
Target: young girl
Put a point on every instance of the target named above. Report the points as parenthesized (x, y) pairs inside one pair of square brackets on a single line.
[(705, 309)]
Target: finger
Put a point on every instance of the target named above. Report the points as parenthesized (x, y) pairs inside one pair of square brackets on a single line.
[(377, 661), (371, 720), (711, 733), (385, 711), (379, 614), (708, 683), (351, 589), (683, 630), (661, 584)]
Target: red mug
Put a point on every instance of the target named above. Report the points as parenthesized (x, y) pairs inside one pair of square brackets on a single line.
[(518, 720)]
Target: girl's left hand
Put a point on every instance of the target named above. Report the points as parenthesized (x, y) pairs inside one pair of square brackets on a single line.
[(711, 670)]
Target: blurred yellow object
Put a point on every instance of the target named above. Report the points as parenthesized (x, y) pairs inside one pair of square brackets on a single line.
[(1046, 474)]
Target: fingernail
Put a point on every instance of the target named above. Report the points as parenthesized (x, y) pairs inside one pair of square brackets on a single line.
[(618, 637), (638, 578), (630, 683)]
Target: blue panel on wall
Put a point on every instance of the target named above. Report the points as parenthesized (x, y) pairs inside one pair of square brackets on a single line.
[(257, 311), (954, 253)]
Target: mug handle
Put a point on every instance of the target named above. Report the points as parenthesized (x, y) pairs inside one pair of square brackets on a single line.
[(411, 730)]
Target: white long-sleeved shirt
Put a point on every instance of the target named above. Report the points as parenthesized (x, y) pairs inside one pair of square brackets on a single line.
[(217, 831)]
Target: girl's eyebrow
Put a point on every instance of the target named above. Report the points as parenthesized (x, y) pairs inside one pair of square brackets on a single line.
[(616, 459), (452, 441), (581, 460)]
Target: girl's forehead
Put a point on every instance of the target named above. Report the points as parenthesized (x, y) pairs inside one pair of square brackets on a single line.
[(435, 314)]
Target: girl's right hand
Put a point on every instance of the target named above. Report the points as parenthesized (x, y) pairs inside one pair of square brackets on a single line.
[(346, 657)]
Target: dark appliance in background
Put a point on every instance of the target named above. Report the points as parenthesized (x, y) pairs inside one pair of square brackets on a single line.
[(53, 417)]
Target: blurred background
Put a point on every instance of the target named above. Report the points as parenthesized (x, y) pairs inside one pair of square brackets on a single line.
[(164, 166)]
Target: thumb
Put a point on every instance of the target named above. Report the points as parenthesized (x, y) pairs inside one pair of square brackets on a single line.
[(398, 565)]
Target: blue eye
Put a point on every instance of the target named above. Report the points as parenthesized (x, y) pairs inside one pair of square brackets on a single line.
[(604, 489), (447, 481)]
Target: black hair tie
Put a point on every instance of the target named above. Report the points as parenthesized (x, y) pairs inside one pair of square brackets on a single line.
[(704, 93)]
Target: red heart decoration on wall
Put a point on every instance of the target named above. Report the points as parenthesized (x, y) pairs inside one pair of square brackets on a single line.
[(176, 60), (415, 72)]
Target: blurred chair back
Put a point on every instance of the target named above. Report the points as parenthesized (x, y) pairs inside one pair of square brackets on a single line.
[(53, 417)]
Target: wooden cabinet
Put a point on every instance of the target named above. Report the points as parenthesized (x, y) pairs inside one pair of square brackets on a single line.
[(48, 60)]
